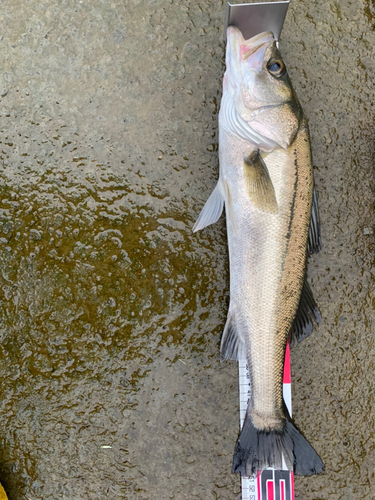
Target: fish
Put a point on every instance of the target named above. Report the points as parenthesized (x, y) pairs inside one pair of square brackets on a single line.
[(267, 187)]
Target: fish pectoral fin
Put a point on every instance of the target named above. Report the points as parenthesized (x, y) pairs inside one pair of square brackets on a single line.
[(307, 315), (212, 209), (314, 243), (231, 343), (258, 183)]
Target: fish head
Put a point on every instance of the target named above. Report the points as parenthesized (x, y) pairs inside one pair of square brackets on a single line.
[(258, 84)]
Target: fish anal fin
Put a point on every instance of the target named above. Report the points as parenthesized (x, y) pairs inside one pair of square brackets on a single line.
[(306, 317), (258, 183), (231, 343), (212, 209), (314, 242)]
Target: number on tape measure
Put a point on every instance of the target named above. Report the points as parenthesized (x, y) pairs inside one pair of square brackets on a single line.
[(276, 485)]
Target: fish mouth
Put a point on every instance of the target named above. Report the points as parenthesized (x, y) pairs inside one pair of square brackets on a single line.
[(249, 47), (251, 51)]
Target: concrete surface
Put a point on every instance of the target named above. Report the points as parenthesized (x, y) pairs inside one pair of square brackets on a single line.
[(111, 310)]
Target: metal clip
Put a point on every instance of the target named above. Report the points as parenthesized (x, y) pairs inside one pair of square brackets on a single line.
[(254, 18)]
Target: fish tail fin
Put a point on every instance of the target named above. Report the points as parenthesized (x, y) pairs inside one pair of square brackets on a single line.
[(259, 449)]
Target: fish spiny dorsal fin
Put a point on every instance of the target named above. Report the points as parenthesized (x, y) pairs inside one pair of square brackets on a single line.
[(258, 183), (307, 315), (314, 242)]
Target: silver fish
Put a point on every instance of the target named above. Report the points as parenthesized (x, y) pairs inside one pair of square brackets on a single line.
[(266, 183)]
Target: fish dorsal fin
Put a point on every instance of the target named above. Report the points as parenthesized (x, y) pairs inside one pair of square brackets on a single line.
[(231, 343), (212, 209), (258, 183), (314, 242), (307, 315)]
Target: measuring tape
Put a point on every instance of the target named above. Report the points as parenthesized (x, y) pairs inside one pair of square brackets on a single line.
[(269, 484)]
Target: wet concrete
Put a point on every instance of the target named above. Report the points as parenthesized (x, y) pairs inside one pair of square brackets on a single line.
[(111, 309)]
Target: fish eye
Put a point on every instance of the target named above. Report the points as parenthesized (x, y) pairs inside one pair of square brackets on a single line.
[(276, 68)]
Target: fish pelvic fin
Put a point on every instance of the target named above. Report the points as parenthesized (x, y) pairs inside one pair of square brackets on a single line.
[(212, 209), (259, 449), (314, 242), (306, 317), (258, 183), (231, 342)]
